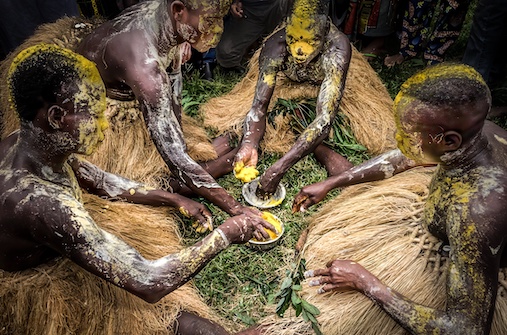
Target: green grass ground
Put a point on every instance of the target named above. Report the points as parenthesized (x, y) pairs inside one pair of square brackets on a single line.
[(241, 283)]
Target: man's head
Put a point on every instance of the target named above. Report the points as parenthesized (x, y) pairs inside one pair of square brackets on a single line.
[(438, 110), (200, 22), (60, 92), (306, 29)]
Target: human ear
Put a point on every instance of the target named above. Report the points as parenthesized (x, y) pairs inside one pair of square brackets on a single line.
[(452, 140), (55, 116), (177, 8)]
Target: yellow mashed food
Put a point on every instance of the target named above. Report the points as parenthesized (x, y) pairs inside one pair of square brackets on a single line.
[(275, 222), (245, 173)]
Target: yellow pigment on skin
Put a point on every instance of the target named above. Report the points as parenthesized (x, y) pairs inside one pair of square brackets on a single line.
[(245, 173), (302, 29), (432, 73), (275, 222), (184, 212), (269, 79)]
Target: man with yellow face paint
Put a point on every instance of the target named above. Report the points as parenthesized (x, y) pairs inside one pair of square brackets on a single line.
[(60, 99), (440, 115), (139, 56), (308, 49)]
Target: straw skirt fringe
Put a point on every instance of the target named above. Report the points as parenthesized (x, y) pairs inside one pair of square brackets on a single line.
[(377, 225)]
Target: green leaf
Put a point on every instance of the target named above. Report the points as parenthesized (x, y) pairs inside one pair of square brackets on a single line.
[(287, 282), (299, 309), (297, 287), (296, 300), (245, 318), (316, 329), (305, 315), (310, 308)]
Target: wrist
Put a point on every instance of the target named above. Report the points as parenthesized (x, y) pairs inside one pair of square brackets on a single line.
[(223, 236)]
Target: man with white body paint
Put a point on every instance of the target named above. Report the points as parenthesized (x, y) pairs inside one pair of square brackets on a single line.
[(139, 56), (308, 49), (440, 115), (60, 99)]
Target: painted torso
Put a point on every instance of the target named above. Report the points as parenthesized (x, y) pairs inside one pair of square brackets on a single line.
[(466, 208), (23, 197)]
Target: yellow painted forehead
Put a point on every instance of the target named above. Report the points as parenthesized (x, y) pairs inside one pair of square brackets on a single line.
[(432, 73), (220, 7), (84, 67)]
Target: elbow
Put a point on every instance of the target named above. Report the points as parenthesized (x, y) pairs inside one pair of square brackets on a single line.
[(152, 295)]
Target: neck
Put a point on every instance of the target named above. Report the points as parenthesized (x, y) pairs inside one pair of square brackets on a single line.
[(468, 156), (55, 149), (166, 36)]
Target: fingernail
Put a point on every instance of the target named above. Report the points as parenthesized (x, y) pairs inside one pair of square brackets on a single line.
[(314, 282), (321, 290), (308, 273), (302, 209)]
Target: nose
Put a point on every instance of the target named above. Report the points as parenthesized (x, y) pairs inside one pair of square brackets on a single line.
[(300, 52)]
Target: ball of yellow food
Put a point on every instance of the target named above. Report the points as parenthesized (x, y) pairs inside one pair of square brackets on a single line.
[(275, 222), (245, 173)]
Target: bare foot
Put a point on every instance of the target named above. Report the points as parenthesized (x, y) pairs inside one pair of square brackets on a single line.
[(393, 60), (333, 162)]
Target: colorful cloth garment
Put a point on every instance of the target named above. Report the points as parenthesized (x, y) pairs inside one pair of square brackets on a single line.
[(416, 36)]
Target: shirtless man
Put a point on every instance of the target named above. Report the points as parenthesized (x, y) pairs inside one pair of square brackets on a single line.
[(60, 99), (139, 56), (310, 48), (440, 115)]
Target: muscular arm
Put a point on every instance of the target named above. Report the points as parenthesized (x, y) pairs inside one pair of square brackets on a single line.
[(65, 226), (335, 60), (378, 168), (270, 61), (99, 182), (153, 89)]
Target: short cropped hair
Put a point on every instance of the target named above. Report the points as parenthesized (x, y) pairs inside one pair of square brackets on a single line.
[(38, 74), (447, 85)]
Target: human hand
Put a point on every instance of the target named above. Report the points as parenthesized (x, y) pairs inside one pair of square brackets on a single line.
[(340, 274), (247, 154), (308, 196), (260, 225), (237, 9), (238, 229), (185, 50), (203, 220)]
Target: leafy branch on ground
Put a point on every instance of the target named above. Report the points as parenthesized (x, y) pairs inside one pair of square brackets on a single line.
[(289, 296)]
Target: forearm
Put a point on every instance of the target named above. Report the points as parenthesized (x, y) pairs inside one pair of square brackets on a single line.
[(181, 267), (416, 318), (378, 168)]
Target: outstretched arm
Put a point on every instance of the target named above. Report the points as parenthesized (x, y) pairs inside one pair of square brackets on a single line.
[(270, 62), (99, 182), (63, 224), (335, 59), (378, 168), (471, 282), (152, 87)]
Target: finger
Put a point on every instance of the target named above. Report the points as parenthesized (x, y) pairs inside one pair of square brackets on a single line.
[(319, 281), (258, 236), (328, 287), (298, 201), (209, 222), (264, 234), (316, 273)]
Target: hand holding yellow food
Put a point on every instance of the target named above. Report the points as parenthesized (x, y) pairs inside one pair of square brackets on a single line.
[(245, 173), (275, 222)]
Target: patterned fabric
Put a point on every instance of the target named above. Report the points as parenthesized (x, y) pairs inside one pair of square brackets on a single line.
[(417, 36)]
